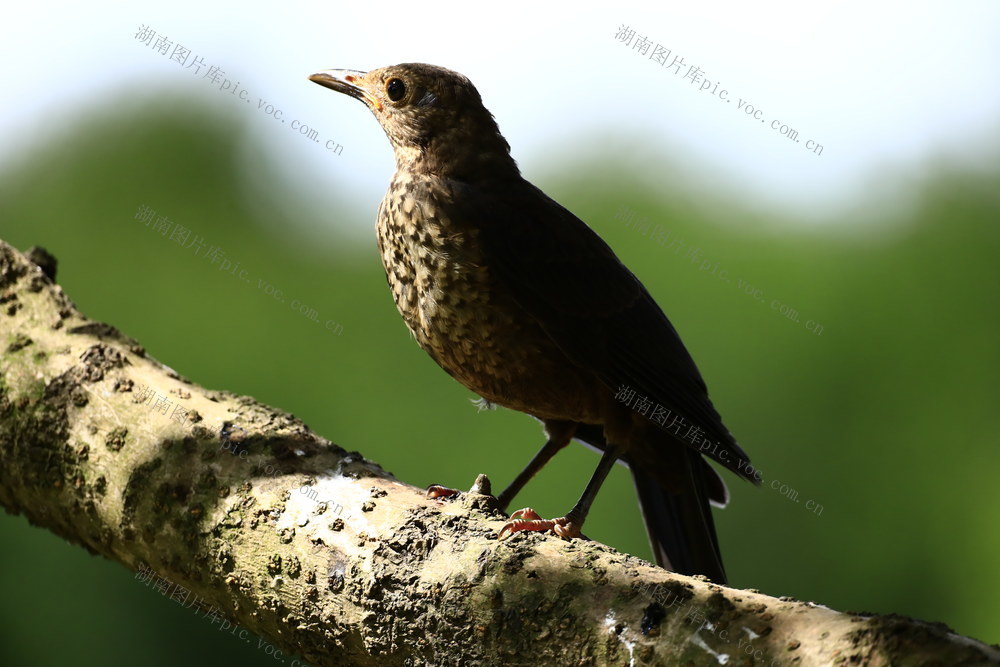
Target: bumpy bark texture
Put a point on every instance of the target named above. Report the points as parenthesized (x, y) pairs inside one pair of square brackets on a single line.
[(240, 511)]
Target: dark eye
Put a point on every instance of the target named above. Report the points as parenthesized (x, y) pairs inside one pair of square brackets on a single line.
[(395, 89)]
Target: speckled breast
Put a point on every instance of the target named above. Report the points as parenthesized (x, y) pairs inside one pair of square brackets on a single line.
[(451, 304)]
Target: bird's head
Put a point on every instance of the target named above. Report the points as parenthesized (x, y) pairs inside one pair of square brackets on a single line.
[(433, 116)]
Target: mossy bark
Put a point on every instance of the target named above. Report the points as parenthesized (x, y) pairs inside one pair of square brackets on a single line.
[(239, 510)]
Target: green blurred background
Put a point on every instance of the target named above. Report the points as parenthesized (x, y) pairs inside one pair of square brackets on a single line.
[(887, 417)]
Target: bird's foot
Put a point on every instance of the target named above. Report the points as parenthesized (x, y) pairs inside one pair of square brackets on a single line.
[(528, 519), (480, 487), (438, 492)]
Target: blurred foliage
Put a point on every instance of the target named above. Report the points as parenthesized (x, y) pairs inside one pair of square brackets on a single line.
[(887, 418)]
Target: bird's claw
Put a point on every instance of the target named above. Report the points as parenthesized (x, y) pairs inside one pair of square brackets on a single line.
[(435, 491), (528, 519)]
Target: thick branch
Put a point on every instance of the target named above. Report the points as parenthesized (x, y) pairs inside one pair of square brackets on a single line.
[(239, 510)]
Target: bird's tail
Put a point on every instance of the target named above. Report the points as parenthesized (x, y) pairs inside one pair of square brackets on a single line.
[(679, 519)]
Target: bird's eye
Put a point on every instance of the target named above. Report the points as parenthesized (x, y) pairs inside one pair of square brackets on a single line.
[(395, 89)]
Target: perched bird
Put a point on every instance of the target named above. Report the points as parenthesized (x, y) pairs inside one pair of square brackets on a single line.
[(529, 308)]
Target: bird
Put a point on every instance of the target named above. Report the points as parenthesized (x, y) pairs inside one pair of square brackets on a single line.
[(526, 306)]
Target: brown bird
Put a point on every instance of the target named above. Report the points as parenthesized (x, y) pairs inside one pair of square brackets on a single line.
[(526, 306)]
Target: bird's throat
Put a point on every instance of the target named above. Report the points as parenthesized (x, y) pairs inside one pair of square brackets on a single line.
[(468, 159)]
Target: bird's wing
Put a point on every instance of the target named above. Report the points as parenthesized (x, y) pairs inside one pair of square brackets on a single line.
[(566, 277)]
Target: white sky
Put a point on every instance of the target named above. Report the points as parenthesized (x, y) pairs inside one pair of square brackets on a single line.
[(882, 86)]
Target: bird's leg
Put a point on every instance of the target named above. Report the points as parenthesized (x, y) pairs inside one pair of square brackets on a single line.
[(560, 433), (569, 525)]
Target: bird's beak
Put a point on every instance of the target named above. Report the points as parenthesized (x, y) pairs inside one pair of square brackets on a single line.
[(347, 81)]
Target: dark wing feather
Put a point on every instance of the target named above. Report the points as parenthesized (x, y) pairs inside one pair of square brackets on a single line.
[(566, 277)]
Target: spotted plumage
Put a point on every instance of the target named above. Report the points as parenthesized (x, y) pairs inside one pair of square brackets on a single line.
[(525, 305)]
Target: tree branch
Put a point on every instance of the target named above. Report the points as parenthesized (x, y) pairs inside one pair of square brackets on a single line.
[(240, 511)]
